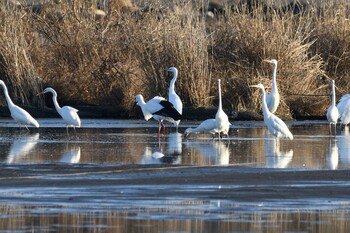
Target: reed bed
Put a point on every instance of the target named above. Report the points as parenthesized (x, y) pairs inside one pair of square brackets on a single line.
[(94, 58)]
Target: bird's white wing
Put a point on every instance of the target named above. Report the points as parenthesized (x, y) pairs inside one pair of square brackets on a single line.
[(71, 109), (344, 108), (176, 101), (278, 128), (23, 117), (208, 125), (153, 104), (70, 116)]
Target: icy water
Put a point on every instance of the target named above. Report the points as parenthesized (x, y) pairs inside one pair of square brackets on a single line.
[(104, 143)]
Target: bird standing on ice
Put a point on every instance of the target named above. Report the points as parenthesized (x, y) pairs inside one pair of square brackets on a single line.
[(158, 108), (68, 114), (207, 126), (332, 112), (222, 123), (273, 98), (17, 113), (274, 124), (173, 97)]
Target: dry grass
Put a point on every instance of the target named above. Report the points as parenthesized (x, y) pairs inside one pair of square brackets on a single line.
[(107, 60)]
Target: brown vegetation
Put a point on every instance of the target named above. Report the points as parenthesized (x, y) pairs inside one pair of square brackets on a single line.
[(107, 58)]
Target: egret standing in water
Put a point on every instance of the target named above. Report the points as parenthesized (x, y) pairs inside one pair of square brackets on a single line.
[(332, 112), (274, 124), (173, 97), (158, 108), (68, 114), (17, 113), (273, 98), (222, 123), (207, 126)]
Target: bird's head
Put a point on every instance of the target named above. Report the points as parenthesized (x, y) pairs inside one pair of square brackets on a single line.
[(47, 90), (137, 100), (260, 86), (187, 132), (272, 61), (172, 71)]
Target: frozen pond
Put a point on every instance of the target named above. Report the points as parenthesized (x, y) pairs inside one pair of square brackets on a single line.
[(136, 142), (117, 176)]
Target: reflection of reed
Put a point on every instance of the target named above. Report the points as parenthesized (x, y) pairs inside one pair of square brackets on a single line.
[(21, 147), (212, 152), (274, 157), (71, 156), (343, 143), (16, 218)]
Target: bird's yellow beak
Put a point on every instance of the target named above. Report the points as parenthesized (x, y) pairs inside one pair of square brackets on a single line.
[(257, 86), (39, 93), (267, 60)]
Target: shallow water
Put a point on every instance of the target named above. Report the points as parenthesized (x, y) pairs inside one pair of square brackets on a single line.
[(130, 208), (136, 142)]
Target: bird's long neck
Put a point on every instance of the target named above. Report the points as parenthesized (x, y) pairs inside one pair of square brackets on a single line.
[(219, 88), (265, 109), (333, 94), (7, 96), (172, 83), (274, 82), (54, 99)]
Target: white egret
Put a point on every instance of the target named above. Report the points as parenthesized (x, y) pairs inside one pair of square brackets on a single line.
[(332, 112), (207, 126), (158, 108), (273, 98), (222, 123), (344, 109), (68, 114), (274, 124), (173, 97), (17, 113)]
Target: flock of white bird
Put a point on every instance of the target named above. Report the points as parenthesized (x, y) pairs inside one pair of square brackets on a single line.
[(170, 110)]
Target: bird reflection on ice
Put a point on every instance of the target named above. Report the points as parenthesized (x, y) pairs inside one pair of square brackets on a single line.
[(216, 151), (332, 157), (274, 157), (71, 155), (158, 154), (21, 147)]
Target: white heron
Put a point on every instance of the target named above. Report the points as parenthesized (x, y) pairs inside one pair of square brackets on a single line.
[(332, 112), (17, 113), (274, 124), (222, 123), (207, 126), (173, 97), (68, 114), (273, 98), (344, 109), (158, 108)]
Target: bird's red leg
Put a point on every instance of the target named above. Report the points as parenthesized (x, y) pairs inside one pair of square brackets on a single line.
[(163, 127)]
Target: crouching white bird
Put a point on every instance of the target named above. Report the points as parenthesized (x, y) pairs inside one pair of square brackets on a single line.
[(173, 97), (274, 124), (222, 123), (332, 112), (273, 98), (17, 113), (207, 126), (158, 108), (344, 109), (69, 115)]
